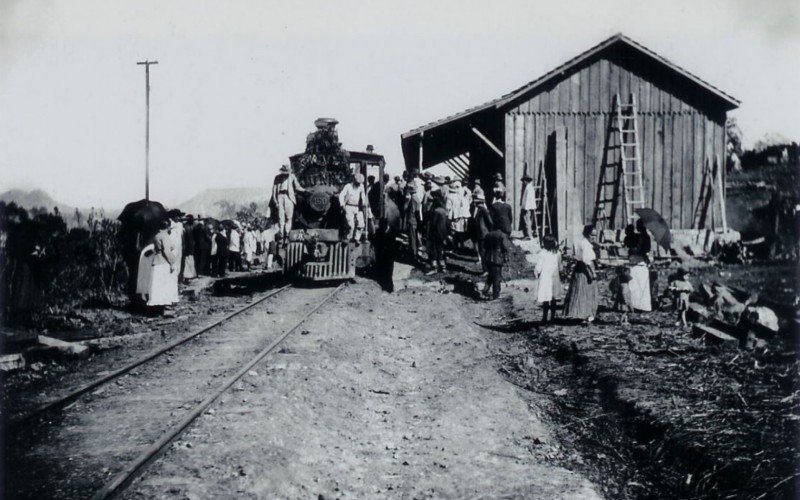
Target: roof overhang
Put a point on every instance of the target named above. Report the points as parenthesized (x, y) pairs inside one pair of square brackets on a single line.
[(728, 102)]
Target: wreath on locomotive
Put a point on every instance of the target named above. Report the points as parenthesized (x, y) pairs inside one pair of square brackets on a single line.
[(318, 222)]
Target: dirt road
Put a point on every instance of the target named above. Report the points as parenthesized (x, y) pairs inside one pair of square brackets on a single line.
[(381, 395)]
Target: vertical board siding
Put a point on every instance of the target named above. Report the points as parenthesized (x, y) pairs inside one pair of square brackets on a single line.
[(675, 171), (697, 162), (509, 150), (675, 139), (688, 170)]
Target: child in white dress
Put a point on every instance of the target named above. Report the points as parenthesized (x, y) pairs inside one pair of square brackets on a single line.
[(547, 270)]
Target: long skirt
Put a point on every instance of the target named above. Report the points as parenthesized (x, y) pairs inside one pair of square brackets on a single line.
[(189, 270), (144, 270), (582, 299), (164, 286), (640, 287)]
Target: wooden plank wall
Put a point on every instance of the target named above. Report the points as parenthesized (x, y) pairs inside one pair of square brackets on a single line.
[(675, 138)]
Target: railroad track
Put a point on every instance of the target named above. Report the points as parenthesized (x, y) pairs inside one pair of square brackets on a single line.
[(15, 424), (145, 452)]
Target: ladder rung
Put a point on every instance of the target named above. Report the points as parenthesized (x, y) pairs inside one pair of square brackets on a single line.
[(607, 200)]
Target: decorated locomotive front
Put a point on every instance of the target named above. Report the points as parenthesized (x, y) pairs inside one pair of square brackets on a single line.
[(319, 246)]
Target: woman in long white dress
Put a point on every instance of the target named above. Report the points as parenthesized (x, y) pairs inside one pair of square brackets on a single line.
[(638, 244), (249, 246), (164, 273)]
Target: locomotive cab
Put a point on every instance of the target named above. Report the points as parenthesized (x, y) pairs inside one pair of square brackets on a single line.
[(318, 248)]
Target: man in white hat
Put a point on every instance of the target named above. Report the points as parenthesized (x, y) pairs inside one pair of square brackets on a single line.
[(353, 200), (528, 206), (284, 188)]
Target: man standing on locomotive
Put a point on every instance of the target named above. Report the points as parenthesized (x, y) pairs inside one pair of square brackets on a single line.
[(284, 188), (353, 200)]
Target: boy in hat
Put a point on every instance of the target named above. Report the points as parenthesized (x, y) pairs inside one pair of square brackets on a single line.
[(501, 213), (499, 188), (527, 206), (496, 251), (680, 288), (411, 214), (437, 234), (481, 225), (621, 292), (284, 188)]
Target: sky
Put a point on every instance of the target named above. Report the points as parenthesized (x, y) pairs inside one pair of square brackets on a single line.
[(239, 83)]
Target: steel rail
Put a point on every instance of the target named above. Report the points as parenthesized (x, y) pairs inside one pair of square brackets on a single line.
[(15, 423), (123, 478)]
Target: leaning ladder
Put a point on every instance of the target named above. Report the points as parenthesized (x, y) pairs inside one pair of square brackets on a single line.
[(632, 183), (542, 212)]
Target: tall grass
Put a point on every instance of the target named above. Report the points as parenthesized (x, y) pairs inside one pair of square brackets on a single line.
[(48, 270)]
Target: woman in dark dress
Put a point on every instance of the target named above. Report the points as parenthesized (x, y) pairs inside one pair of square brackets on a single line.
[(583, 298)]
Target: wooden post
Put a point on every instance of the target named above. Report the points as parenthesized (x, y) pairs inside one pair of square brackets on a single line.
[(721, 193), (146, 65)]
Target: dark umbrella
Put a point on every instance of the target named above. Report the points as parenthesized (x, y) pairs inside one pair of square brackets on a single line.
[(143, 215), (656, 224)]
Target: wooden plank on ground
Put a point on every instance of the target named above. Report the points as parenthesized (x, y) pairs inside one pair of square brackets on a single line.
[(715, 337), (11, 362)]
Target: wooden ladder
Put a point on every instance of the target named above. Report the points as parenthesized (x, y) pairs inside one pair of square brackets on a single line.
[(541, 216), (632, 183), (712, 178)]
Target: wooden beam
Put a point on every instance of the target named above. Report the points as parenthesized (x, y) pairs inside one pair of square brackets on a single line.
[(488, 142), (456, 168), (460, 161), (455, 172)]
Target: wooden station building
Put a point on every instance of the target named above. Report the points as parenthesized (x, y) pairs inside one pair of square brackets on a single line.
[(564, 128)]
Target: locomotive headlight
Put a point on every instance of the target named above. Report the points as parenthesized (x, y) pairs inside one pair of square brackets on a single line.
[(319, 202)]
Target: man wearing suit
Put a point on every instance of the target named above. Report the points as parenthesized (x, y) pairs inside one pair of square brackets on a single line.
[(202, 247), (284, 190), (501, 214), (481, 226), (495, 246)]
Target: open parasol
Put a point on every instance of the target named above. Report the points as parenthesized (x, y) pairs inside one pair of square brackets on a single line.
[(656, 224), (144, 216)]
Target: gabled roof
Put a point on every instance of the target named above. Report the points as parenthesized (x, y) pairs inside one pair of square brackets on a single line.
[(566, 67)]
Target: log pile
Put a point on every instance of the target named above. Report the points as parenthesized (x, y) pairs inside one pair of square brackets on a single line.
[(734, 318)]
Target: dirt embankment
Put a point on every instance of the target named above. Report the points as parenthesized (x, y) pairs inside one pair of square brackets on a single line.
[(656, 411)]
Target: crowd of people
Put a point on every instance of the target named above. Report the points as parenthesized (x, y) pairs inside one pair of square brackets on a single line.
[(186, 247), (438, 213)]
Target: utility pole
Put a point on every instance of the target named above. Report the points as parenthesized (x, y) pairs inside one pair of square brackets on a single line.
[(147, 128)]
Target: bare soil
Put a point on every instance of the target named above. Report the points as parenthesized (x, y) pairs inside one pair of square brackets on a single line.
[(382, 395)]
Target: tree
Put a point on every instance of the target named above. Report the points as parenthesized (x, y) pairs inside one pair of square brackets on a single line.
[(733, 145)]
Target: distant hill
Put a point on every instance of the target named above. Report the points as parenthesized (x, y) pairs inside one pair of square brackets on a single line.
[(217, 202), (35, 199)]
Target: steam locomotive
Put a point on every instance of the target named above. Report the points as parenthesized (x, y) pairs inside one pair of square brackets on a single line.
[(317, 247)]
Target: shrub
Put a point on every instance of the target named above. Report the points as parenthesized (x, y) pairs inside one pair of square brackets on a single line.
[(48, 270)]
